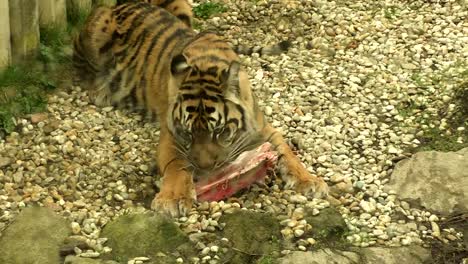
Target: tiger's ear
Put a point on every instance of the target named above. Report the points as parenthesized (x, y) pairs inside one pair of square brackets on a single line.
[(179, 65), (231, 79)]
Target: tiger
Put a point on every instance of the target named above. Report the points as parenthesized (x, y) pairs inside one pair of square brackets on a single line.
[(196, 86), (182, 9)]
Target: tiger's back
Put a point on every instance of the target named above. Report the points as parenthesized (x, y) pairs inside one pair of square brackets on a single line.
[(120, 50)]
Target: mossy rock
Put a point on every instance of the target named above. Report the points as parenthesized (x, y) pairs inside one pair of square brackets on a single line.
[(150, 235), (268, 260), (328, 226), (252, 235), (34, 237)]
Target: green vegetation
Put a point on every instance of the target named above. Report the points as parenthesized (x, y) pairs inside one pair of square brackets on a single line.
[(23, 89), (391, 12), (75, 17), (208, 9), (451, 83), (197, 25)]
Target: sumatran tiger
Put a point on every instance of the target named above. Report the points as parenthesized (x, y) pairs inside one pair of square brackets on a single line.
[(179, 8), (194, 83)]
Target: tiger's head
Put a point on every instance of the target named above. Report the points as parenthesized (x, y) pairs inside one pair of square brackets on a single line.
[(212, 114)]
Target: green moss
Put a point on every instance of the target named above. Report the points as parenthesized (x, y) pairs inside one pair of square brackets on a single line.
[(253, 235), (197, 25), (208, 9), (136, 235), (267, 260), (434, 139), (34, 237), (391, 12), (328, 227), (451, 82)]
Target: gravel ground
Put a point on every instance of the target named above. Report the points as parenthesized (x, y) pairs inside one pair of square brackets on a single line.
[(362, 82)]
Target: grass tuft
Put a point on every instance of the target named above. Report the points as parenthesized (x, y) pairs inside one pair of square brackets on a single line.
[(208, 9), (22, 92)]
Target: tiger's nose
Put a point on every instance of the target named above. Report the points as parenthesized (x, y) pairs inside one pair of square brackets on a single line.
[(206, 161)]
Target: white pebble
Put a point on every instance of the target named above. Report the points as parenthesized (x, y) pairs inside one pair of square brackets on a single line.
[(298, 232), (214, 248)]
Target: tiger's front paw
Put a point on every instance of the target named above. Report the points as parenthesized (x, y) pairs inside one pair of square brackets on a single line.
[(298, 178), (176, 196), (173, 206)]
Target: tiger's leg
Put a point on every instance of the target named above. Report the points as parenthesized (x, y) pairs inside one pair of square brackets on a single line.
[(291, 168), (177, 192)]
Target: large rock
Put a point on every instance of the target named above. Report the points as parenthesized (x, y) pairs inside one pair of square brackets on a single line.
[(149, 235), (437, 180), (397, 255), (252, 234), (322, 256), (34, 237), (328, 226), (372, 255), (78, 260)]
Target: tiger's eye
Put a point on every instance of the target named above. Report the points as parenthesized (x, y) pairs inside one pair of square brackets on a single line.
[(224, 137)]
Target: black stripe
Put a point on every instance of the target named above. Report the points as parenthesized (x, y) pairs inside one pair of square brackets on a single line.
[(126, 12), (206, 96), (115, 83), (109, 43), (211, 58), (233, 120), (133, 96), (184, 18), (241, 110), (136, 47), (154, 41), (179, 33), (185, 88), (176, 106), (226, 111), (166, 3), (186, 97), (136, 23), (172, 160), (201, 95), (143, 87), (204, 33), (218, 122), (271, 136), (131, 73), (120, 7), (213, 89), (212, 71), (203, 81)]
